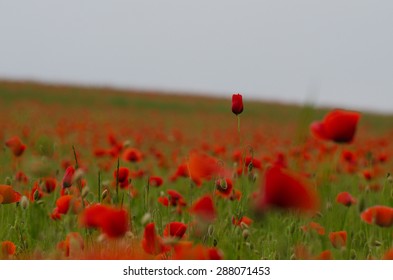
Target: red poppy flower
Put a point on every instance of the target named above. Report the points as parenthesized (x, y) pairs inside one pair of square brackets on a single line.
[(21, 177), (155, 181), (202, 166), (380, 215), (325, 255), (204, 208), (163, 200), (68, 176), (237, 104), (175, 198), (338, 239), (175, 229), (132, 155), (8, 195), (50, 184), (345, 199), (151, 242), (283, 189), (113, 222), (63, 204), (338, 126), (36, 192), (242, 221), (367, 174), (124, 173), (8, 248), (16, 146), (256, 163), (224, 187), (182, 171)]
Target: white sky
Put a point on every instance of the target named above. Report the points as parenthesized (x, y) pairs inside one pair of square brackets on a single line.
[(340, 52)]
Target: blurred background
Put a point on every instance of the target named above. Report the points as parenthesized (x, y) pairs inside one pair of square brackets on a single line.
[(331, 53)]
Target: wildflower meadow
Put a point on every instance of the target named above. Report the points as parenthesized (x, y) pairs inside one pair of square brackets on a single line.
[(98, 173)]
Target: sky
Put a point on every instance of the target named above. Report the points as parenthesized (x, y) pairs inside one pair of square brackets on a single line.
[(333, 53)]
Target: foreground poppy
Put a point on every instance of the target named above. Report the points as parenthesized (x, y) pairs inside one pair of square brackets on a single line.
[(202, 167), (175, 229), (16, 146), (8, 195), (380, 215), (285, 190), (8, 248), (151, 242), (204, 208), (338, 126), (113, 222)]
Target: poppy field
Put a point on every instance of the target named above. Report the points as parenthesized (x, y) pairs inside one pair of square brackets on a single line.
[(97, 173)]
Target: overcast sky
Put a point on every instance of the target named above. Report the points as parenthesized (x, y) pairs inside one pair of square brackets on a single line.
[(336, 52)]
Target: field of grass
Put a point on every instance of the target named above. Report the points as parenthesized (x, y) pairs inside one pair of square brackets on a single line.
[(189, 143)]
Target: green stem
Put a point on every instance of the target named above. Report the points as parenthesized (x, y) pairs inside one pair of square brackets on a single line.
[(117, 180)]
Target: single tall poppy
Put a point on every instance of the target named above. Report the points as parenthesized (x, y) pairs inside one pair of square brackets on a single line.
[(237, 103)]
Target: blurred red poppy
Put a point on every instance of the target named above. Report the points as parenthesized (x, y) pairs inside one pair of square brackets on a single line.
[(202, 166), (151, 242), (175, 229), (224, 187), (204, 208), (132, 155), (285, 190), (16, 146), (122, 177), (345, 199), (113, 222), (338, 126), (338, 239), (155, 181), (68, 177), (8, 248), (8, 195), (380, 215)]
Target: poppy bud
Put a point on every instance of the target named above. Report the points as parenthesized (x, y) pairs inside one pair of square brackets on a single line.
[(245, 234), (237, 104), (24, 202)]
